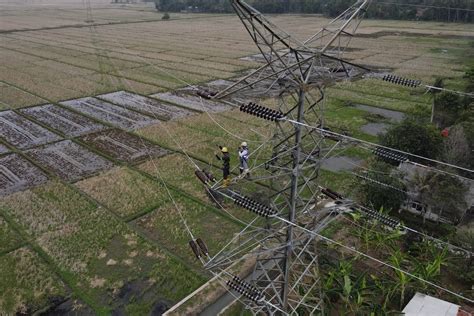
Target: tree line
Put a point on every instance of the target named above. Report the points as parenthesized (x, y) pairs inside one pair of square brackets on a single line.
[(445, 134), (425, 10)]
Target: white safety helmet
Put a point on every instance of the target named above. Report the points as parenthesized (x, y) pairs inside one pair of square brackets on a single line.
[(244, 144)]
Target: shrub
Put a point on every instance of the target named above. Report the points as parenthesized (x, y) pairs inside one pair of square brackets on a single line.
[(413, 137)]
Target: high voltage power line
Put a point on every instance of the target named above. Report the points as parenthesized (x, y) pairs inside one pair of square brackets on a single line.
[(291, 254), (423, 6), (296, 68)]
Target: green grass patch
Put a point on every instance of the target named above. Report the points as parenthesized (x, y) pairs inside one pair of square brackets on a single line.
[(26, 283), (341, 182), (166, 225), (9, 239)]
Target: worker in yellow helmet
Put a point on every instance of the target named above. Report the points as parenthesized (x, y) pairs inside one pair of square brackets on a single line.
[(225, 158)]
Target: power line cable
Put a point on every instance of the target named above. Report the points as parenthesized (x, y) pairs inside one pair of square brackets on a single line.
[(182, 217), (329, 240), (381, 262), (424, 6), (351, 249)]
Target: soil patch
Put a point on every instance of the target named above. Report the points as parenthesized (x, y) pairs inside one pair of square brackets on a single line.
[(123, 146), (146, 105), (18, 174), (112, 114), (70, 161), (67, 122), (23, 133)]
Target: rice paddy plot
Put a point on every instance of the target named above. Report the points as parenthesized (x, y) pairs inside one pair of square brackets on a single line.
[(178, 172), (112, 114), (46, 209), (194, 102), (11, 97), (17, 174), (69, 161), (123, 146), (100, 255), (67, 122), (165, 225), (23, 133), (9, 239), (27, 284), (146, 105), (124, 191)]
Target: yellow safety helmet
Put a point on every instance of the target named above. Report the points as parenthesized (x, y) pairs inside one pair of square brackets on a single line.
[(244, 144), (224, 150)]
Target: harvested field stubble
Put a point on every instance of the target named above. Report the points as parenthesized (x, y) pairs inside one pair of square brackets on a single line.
[(112, 114), (11, 97), (17, 173), (67, 122), (179, 172), (69, 161), (100, 254), (27, 283), (165, 225), (124, 191), (9, 239), (213, 53), (23, 133), (97, 248), (150, 106), (123, 146), (201, 135)]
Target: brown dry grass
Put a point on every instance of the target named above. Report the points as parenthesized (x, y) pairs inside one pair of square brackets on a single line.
[(194, 56), (123, 191)]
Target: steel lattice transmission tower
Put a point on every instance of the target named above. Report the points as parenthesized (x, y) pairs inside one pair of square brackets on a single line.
[(285, 277)]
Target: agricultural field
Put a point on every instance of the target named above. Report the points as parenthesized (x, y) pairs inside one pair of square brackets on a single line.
[(100, 135)]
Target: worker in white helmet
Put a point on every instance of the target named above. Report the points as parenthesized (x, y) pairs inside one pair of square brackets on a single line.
[(244, 159)]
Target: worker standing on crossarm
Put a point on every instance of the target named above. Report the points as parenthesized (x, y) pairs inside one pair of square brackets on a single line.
[(244, 159), (225, 165)]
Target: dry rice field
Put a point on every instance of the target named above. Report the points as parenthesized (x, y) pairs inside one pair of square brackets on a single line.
[(93, 136)]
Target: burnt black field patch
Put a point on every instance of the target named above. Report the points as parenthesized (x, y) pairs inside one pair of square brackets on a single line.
[(152, 107), (18, 174), (23, 133), (70, 161), (67, 122), (123, 146), (106, 112)]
